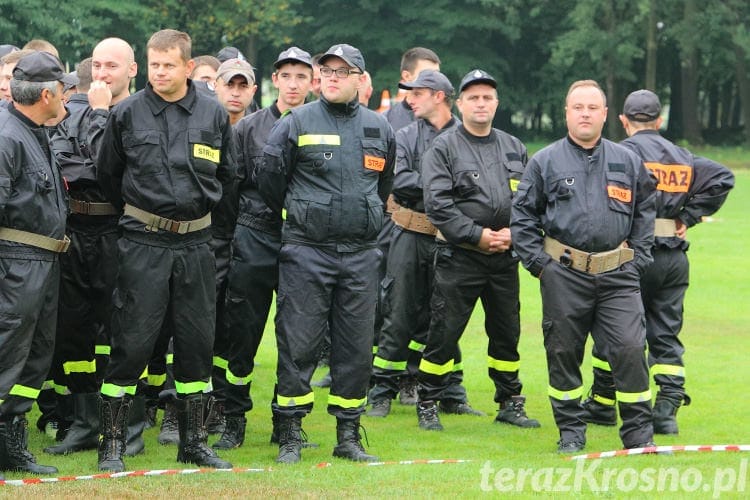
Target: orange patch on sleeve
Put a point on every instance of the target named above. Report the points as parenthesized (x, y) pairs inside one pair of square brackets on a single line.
[(374, 163), (621, 194)]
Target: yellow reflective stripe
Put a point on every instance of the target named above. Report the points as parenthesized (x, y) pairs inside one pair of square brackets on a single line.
[(514, 184), (48, 385), (388, 365), (79, 367), (374, 349), (117, 391), (416, 346), (220, 362), (62, 390), (102, 350), (503, 366), (190, 387), (633, 397), (170, 358), (144, 373), (435, 369), (603, 400), (574, 393), (676, 370), (457, 367), (236, 380), (318, 139), (24, 391), (156, 379), (600, 363), (334, 400), (304, 399)]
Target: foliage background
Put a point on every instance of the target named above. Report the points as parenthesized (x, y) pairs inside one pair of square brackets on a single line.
[(695, 55)]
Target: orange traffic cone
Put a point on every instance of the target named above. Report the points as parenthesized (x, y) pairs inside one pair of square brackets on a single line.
[(385, 101)]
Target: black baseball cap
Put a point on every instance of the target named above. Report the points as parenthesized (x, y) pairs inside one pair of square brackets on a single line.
[(477, 76), (230, 53), (642, 106), (351, 55), (293, 54), (429, 79), (6, 49), (42, 67)]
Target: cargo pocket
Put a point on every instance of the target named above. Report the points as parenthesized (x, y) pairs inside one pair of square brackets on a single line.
[(619, 192), (9, 326), (142, 148), (312, 215)]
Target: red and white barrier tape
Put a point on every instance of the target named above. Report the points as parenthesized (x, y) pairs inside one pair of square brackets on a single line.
[(323, 465), (661, 449)]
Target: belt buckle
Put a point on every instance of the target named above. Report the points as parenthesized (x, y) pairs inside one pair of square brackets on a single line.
[(566, 259)]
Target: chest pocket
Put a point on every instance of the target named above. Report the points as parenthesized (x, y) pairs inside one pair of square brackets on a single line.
[(374, 154), (619, 192), (143, 151), (39, 177), (514, 168), (467, 181), (204, 151), (314, 158)]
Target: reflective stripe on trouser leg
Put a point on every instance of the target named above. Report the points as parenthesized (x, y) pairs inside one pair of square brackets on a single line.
[(603, 386)]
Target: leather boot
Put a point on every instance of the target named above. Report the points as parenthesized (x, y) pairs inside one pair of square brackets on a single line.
[(134, 444), (350, 442), (169, 432), (14, 455), (113, 419), (665, 413), (216, 422), (513, 411), (275, 419), (234, 433), (191, 419), (595, 411), (290, 440), (84, 432)]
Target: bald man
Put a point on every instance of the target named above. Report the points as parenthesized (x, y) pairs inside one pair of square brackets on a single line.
[(89, 268)]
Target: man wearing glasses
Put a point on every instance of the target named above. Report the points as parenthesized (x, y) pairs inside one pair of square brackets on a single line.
[(329, 164)]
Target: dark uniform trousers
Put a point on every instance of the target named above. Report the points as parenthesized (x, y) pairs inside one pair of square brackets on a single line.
[(253, 277), (316, 283), (28, 313), (87, 280), (609, 306), (173, 284), (663, 287), (408, 289), (462, 277), (222, 249)]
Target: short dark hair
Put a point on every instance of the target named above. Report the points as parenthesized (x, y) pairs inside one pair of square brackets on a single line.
[(83, 72), (169, 39), (205, 61), (412, 56)]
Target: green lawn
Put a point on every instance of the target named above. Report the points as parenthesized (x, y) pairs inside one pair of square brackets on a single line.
[(521, 461)]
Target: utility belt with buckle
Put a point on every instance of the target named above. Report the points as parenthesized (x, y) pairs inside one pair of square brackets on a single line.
[(92, 208), (412, 220), (467, 246), (35, 240), (665, 228), (588, 262), (155, 222), (391, 205)]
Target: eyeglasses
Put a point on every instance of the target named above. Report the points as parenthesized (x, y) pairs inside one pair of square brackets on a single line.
[(340, 72)]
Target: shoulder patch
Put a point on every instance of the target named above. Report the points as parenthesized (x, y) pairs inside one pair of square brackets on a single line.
[(513, 156), (372, 132), (617, 167)]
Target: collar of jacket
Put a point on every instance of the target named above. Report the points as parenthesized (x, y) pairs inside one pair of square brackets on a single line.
[(341, 109), (157, 104)]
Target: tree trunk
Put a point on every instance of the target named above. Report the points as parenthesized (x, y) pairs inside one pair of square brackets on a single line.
[(651, 47), (689, 68), (743, 87)]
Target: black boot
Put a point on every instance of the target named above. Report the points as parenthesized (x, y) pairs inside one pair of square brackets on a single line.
[(216, 422), (665, 413), (350, 442), (14, 455), (191, 418), (134, 444), (113, 420), (513, 411), (169, 432), (275, 419), (84, 432), (290, 440), (596, 412), (427, 416), (234, 433)]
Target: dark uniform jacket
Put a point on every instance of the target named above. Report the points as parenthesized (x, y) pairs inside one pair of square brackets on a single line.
[(592, 200), (250, 135), (331, 166), (411, 143), (400, 115), (469, 182), (32, 194), (689, 187), (174, 160)]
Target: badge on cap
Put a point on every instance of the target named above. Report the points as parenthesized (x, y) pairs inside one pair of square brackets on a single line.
[(292, 54), (339, 51), (477, 74)]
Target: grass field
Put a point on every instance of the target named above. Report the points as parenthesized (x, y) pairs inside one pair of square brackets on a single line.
[(522, 462)]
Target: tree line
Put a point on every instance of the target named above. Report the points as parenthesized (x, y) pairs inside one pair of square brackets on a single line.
[(695, 55)]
